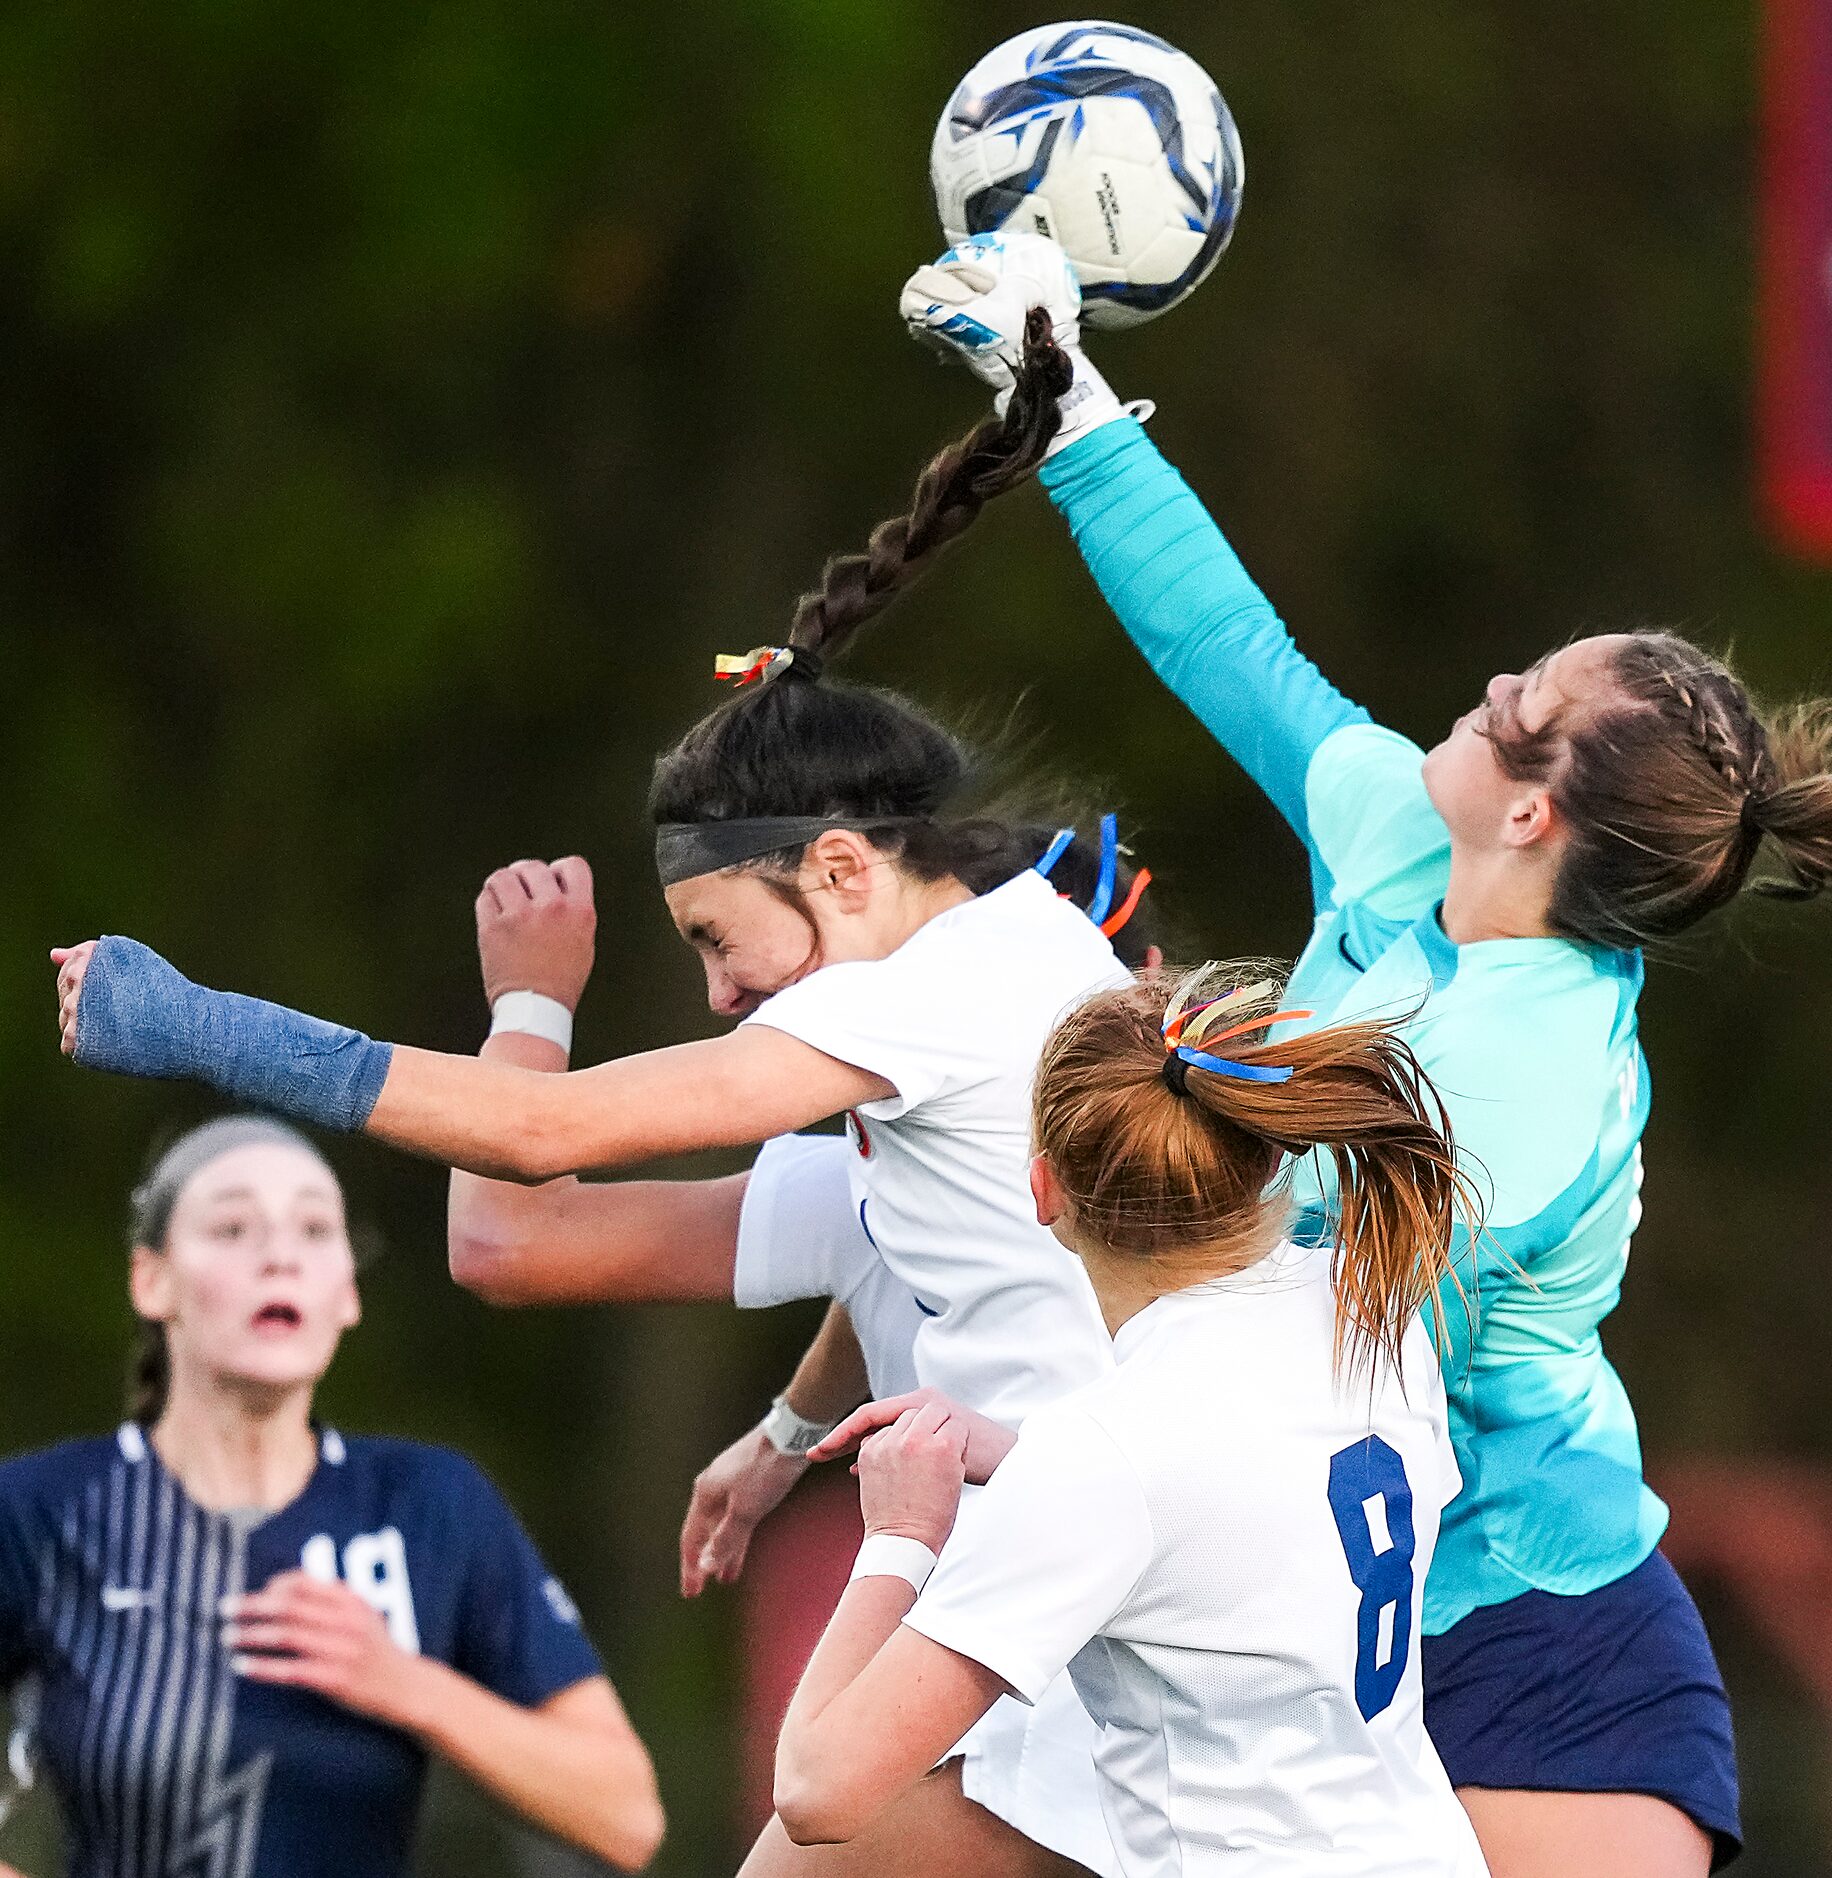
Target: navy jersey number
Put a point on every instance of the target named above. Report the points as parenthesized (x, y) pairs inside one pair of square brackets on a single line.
[(1364, 1480)]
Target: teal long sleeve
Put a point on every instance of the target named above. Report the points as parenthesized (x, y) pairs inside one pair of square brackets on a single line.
[(1190, 606)]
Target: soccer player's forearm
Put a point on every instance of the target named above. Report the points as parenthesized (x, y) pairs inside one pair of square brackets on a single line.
[(573, 1767), (831, 1380), (492, 1225)]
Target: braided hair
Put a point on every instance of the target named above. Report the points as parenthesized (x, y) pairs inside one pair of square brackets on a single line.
[(798, 745), (957, 483), (1670, 787)]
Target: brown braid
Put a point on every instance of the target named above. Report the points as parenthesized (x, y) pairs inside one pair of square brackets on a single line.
[(958, 482), (1711, 720)]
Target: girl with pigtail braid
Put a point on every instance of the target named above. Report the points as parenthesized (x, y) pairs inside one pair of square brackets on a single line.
[(888, 960), (1223, 1537)]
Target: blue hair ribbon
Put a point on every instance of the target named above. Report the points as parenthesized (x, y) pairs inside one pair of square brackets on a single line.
[(1102, 903), (1055, 851), (1226, 1066)]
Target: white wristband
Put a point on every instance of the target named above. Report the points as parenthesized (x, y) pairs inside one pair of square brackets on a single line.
[(792, 1434), (886, 1555), (532, 1014)]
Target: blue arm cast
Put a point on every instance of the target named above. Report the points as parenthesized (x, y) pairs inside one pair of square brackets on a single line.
[(137, 1016), (1193, 610)]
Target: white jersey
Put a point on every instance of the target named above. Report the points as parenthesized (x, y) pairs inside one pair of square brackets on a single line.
[(799, 1237), (1228, 1547), (955, 1020)]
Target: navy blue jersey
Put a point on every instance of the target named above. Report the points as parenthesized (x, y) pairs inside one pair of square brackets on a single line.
[(168, 1765)]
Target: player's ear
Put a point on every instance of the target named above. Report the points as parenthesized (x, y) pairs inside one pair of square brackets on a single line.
[(1046, 1191), (1531, 819), (839, 863), (149, 1284)]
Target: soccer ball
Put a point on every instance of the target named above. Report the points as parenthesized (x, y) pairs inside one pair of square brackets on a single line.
[(1110, 141)]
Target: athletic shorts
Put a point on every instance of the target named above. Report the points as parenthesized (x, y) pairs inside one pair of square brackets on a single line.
[(1615, 1691), (1033, 1767)]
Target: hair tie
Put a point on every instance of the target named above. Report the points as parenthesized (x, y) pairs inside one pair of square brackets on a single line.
[(1187, 1060), (1097, 908), (765, 662), (1749, 816), (1186, 1026)]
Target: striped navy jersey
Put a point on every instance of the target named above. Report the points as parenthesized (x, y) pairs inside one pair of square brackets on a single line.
[(165, 1764)]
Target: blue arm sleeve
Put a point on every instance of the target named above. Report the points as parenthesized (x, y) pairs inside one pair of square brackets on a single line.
[(138, 1016), (1193, 610)]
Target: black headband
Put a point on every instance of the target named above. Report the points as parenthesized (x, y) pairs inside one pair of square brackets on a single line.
[(685, 850)]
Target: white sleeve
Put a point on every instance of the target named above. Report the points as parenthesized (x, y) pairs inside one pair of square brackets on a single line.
[(881, 1016), (798, 1234), (1043, 1556)]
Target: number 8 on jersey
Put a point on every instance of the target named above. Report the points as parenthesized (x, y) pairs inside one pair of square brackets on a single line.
[(1372, 1501)]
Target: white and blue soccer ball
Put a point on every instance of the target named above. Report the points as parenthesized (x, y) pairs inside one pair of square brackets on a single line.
[(1110, 141)]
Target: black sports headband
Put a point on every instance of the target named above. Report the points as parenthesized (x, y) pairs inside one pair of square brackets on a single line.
[(685, 850)]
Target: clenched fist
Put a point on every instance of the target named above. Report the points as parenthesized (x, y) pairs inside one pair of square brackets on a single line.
[(537, 929), (72, 963)]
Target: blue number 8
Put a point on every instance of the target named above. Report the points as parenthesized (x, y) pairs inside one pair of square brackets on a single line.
[(1371, 1470)]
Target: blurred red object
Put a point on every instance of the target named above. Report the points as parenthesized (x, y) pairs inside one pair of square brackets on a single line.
[(1794, 300), (792, 1580), (1763, 1531)]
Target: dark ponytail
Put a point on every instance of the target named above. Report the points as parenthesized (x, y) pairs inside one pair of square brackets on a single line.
[(1795, 809), (793, 746), (1162, 1159), (149, 1373)]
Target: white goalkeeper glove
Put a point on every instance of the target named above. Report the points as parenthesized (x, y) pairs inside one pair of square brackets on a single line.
[(972, 305)]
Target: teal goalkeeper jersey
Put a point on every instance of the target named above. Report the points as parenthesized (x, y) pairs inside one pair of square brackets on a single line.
[(1531, 1043)]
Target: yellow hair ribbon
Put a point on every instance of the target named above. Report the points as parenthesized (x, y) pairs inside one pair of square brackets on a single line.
[(1192, 1029), (748, 667)]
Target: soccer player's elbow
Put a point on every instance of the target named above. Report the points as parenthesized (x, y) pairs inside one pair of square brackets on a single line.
[(636, 1836), (813, 1811), (485, 1267)]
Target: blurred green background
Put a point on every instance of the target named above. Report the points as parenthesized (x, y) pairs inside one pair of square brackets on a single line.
[(401, 405)]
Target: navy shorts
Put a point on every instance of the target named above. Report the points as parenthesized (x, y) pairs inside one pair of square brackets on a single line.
[(1615, 1691)]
